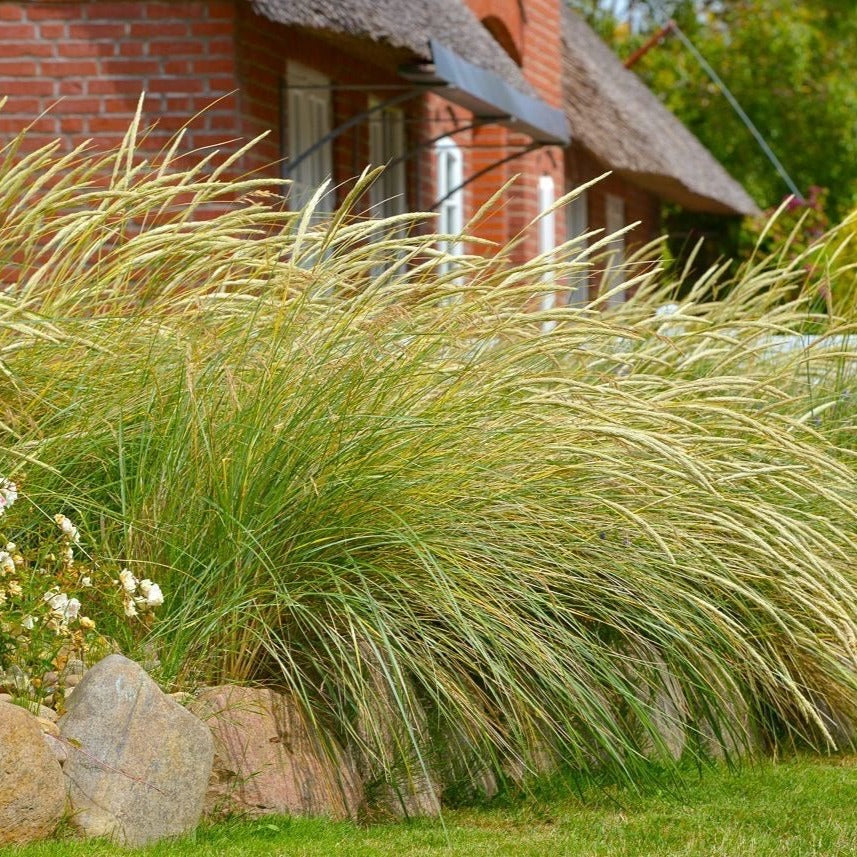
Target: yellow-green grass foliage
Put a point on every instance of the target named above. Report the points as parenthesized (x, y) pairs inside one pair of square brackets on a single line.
[(352, 461)]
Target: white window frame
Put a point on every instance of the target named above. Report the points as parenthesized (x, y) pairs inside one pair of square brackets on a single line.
[(309, 116), (547, 238), (449, 175), (614, 221)]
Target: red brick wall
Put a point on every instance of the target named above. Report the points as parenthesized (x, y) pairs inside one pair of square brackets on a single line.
[(443, 118), (258, 69), (97, 57), (640, 205), (86, 63), (537, 36)]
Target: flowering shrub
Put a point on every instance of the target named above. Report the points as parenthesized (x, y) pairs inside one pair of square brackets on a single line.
[(139, 596), (803, 223), (47, 594)]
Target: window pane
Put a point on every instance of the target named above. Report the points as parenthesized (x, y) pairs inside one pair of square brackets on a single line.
[(547, 224), (386, 146), (577, 225), (578, 216), (547, 238), (614, 221), (309, 120), (449, 168)]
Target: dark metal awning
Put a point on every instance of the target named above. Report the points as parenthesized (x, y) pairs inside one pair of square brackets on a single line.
[(489, 96)]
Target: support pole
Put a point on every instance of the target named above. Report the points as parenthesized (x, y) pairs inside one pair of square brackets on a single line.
[(653, 42)]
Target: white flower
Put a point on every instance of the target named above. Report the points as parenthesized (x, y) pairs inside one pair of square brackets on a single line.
[(130, 608), (68, 554), (154, 597), (51, 593), (128, 581), (8, 494), (69, 530), (7, 564), (59, 603), (11, 547), (28, 622), (86, 581), (150, 595), (72, 609)]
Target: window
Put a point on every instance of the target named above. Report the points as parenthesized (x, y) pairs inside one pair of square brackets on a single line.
[(577, 212), (614, 220), (547, 238), (576, 226), (309, 120), (387, 195), (449, 163)]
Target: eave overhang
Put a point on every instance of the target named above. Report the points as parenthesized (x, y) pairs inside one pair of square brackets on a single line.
[(488, 96)]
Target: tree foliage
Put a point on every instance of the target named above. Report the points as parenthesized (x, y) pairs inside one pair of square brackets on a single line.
[(791, 66)]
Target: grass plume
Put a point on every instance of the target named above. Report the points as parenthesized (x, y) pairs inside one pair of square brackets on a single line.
[(346, 458)]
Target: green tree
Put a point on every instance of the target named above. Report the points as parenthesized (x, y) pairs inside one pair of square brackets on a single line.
[(791, 65)]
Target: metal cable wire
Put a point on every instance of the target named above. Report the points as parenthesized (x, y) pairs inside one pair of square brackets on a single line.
[(739, 110)]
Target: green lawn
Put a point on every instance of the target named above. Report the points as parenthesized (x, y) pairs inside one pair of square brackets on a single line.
[(800, 807)]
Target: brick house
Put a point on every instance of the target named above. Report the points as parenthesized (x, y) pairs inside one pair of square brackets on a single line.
[(456, 96)]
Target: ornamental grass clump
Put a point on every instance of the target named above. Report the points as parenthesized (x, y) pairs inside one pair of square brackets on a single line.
[(371, 474)]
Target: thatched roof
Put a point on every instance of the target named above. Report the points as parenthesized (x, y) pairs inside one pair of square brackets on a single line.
[(619, 119), (407, 25)]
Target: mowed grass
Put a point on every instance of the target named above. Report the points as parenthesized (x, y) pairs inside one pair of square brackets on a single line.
[(797, 808)]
